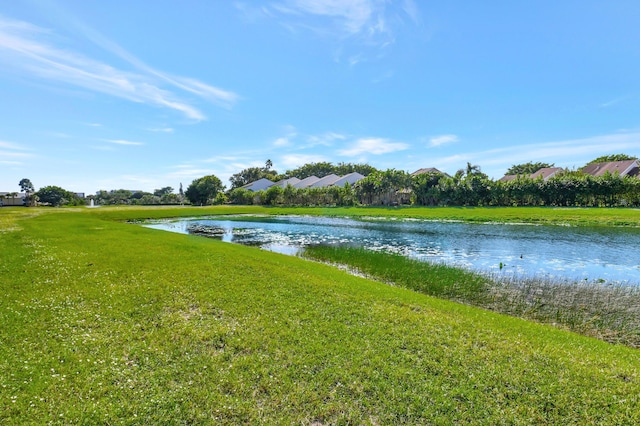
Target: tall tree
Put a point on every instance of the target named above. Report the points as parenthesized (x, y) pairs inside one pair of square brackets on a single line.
[(27, 187), (56, 196), (163, 191), (425, 188), (253, 174), (204, 190), (383, 187)]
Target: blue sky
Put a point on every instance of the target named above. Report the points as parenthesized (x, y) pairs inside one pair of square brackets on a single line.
[(146, 94)]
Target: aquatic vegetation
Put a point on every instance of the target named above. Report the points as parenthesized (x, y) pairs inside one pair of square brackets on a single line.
[(609, 312)]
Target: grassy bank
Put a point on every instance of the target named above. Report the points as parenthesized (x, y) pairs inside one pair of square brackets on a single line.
[(610, 313), (106, 322)]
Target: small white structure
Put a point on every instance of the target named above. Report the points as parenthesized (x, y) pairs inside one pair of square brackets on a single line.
[(12, 199)]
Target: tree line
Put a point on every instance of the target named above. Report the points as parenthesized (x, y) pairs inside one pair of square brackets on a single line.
[(159, 196), (467, 187)]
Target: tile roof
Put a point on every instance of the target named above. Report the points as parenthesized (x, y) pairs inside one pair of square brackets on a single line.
[(258, 185), (624, 168), (325, 181), (351, 178), (545, 173), (304, 183), (427, 170)]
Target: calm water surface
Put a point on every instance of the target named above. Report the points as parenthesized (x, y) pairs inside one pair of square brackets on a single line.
[(591, 253)]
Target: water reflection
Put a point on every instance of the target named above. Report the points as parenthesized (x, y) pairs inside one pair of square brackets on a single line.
[(590, 253)]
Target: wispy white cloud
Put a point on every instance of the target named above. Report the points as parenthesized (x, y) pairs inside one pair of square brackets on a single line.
[(351, 15), (282, 141), (443, 140), (366, 23), (13, 154), (615, 101), (376, 146), (123, 142), (214, 94), (326, 139), (11, 163), (103, 148), (12, 145), (411, 9), (286, 140), (25, 48), (189, 172), (161, 129)]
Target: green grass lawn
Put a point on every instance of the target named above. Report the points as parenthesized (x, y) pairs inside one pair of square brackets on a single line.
[(104, 322), (539, 215)]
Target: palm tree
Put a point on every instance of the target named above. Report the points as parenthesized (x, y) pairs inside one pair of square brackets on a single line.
[(472, 169), (27, 187)]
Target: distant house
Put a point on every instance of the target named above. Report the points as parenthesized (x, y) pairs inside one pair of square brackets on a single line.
[(284, 182), (351, 178), (325, 181), (12, 199), (545, 173), (306, 182), (623, 168), (427, 170), (258, 185)]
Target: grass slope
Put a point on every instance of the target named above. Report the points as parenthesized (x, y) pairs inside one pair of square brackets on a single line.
[(106, 322)]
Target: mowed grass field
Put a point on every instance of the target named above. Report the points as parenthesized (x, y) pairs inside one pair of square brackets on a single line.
[(104, 322)]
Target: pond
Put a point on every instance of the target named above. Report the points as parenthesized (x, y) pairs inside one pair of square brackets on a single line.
[(558, 252)]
